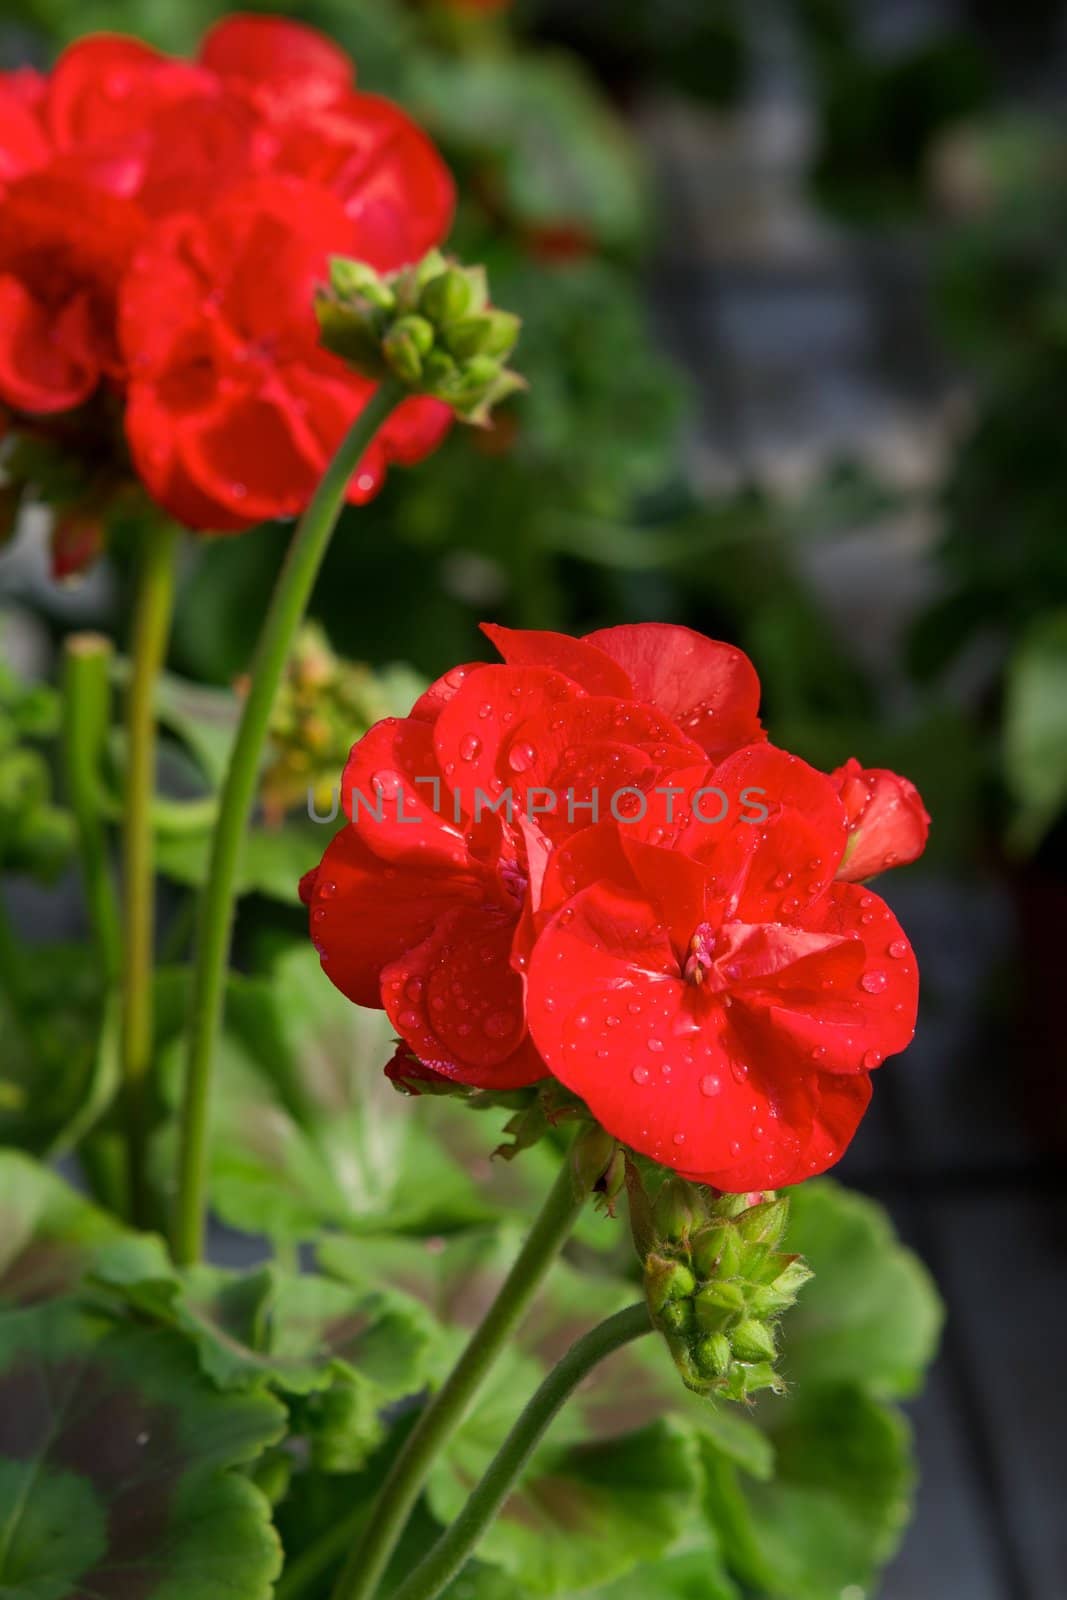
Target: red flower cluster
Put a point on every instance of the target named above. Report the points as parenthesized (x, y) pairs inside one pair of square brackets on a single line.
[(163, 225), (588, 862)]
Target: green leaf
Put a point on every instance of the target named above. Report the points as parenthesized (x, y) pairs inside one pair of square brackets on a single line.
[(584, 1512), (871, 1314), (338, 1355), (836, 1507), (116, 1461), (693, 1575), (51, 1238), (272, 860), (1035, 728)]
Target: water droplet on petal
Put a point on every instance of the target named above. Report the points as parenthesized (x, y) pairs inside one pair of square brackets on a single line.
[(710, 1084), (898, 949), (640, 1074), (874, 982), (470, 747), (521, 757)]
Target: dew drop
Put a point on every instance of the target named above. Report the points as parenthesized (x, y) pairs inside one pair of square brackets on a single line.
[(640, 1074), (408, 1019), (655, 1045), (898, 949), (872, 1059), (521, 757), (710, 1085), (470, 747), (874, 982)]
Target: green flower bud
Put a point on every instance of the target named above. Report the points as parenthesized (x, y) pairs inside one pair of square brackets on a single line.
[(677, 1209), (447, 298), (492, 333), (764, 1223), (753, 1341), (666, 1280), (714, 1356), (719, 1304), (353, 334), (593, 1152), (408, 340), (352, 280)]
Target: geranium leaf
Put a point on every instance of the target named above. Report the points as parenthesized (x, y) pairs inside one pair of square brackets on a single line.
[(115, 1466), (836, 1507), (338, 1355), (51, 1238), (871, 1313), (584, 1512), (692, 1575), (272, 860)]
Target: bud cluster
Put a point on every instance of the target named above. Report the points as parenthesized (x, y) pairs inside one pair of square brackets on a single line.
[(717, 1285), (430, 327), (323, 704)]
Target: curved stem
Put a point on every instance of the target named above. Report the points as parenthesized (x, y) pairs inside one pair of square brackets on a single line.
[(284, 616), (459, 1542), (368, 1559), (153, 606), (86, 701)]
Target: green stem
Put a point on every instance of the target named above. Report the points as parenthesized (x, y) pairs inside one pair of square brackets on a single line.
[(459, 1542), (284, 616), (86, 701), (153, 607), (369, 1556)]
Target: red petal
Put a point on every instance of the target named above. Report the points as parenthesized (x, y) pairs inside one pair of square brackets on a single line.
[(431, 702), (37, 373), (888, 823), (365, 914), (393, 792), (156, 440), (458, 1005), (23, 146), (710, 689), (589, 667), (769, 867), (106, 87), (840, 1017), (289, 66), (476, 726), (385, 171)]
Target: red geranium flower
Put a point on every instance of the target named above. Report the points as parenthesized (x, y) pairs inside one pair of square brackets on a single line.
[(588, 862), (416, 906), (888, 824), (163, 228)]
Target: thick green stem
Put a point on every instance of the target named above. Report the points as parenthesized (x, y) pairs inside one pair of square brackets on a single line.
[(86, 700), (369, 1556), (288, 605), (153, 607), (458, 1543)]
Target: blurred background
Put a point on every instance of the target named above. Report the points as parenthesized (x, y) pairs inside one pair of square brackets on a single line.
[(794, 275)]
